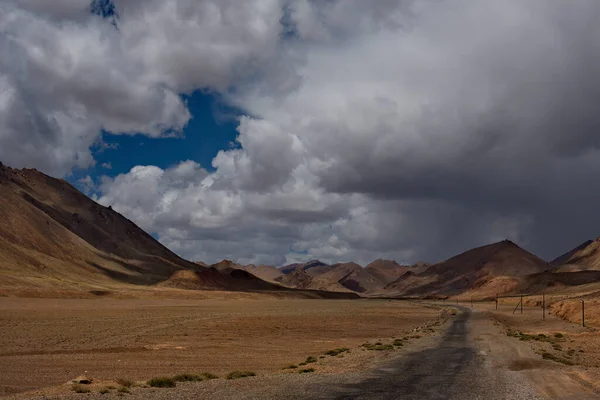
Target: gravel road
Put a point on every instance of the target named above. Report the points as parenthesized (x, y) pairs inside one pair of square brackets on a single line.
[(454, 369)]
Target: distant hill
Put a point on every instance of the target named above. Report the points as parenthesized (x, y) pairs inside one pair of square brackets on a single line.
[(300, 279), (585, 257), (564, 258), (387, 270), (463, 272), (288, 269)]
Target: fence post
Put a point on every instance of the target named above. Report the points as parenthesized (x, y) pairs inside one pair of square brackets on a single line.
[(582, 313), (521, 304), (544, 305)]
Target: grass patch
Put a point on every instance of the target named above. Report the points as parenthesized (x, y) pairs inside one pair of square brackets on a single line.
[(310, 359), (378, 346), (336, 352), (527, 337), (125, 382), (162, 382), (77, 388), (240, 374), (306, 370), (552, 357)]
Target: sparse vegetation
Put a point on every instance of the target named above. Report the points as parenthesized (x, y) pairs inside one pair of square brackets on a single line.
[(209, 375), (124, 389), (552, 357), (125, 382), (104, 390), (558, 335), (378, 346), (306, 370), (77, 388), (336, 352), (310, 359), (162, 382), (527, 337), (240, 374), (398, 342)]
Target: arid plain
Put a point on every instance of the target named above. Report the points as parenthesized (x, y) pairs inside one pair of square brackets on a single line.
[(48, 342)]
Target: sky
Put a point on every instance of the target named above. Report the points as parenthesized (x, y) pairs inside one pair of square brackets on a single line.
[(276, 131)]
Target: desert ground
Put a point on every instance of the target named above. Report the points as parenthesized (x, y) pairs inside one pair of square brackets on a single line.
[(445, 350), (47, 342)]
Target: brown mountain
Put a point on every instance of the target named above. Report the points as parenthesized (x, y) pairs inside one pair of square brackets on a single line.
[(55, 241), (465, 271), (264, 272), (52, 235), (387, 271), (300, 279), (288, 269)]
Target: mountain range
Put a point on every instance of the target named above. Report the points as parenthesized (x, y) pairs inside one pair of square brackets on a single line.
[(56, 240)]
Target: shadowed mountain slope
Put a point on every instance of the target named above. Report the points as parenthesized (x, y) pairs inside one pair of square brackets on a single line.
[(462, 272), (585, 257), (564, 258)]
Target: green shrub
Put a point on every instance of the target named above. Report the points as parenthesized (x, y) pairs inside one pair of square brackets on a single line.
[(558, 335), (162, 382), (306, 371), (77, 388), (336, 352), (240, 374), (398, 342), (378, 346), (310, 359), (209, 375)]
